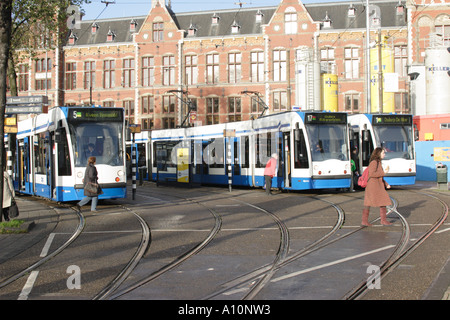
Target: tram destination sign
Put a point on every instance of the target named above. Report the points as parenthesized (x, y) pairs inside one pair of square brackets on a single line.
[(96, 114), (392, 119), (326, 118)]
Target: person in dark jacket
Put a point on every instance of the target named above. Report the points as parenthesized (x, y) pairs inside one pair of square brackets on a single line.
[(376, 194), (90, 176)]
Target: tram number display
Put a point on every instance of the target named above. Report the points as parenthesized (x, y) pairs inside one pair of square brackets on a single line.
[(326, 118), (392, 120), (98, 114)]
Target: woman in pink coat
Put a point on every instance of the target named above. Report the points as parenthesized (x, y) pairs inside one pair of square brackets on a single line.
[(269, 172), (376, 194)]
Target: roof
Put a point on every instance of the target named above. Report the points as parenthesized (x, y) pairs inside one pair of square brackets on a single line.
[(244, 18)]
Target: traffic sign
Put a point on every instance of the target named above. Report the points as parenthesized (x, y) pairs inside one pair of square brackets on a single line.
[(34, 108), (25, 100)]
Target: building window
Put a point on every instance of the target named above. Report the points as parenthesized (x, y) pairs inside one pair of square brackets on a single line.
[(94, 28), (89, 74), (327, 62), (280, 101), (43, 66), (215, 19), (168, 123), (401, 102), (158, 31), (168, 70), (128, 105), (133, 25), (108, 104), (148, 71), (212, 68), (147, 123), (23, 77), (234, 67), (42, 84), (147, 105), (235, 27), (290, 23), (400, 60), (109, 69), (191, 67), (256, 105), (444, 30), (234, 109), (169, 104), (257, 66), (212, 110), (279, 65), (128, 73), (351, 57), (71, 76), (352, 102)]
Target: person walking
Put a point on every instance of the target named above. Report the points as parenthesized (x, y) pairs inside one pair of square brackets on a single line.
[(269, 172), (8, 195), (90, 176), (376, 194)]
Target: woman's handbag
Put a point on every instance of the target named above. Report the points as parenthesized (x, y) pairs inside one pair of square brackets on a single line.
[(13, 210), (91, 187)]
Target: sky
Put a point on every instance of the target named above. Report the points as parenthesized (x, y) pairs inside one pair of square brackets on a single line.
[(130, 8)]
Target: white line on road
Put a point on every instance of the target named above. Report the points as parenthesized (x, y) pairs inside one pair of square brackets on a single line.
[(47, 245), (28, 286), (294, 274)]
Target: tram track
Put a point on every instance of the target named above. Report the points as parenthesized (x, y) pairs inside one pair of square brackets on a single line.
[(401, 252), (40, 262)]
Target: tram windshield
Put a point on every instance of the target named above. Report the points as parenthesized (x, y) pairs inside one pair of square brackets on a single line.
[(396, 140), (101, 140), (327, 141)]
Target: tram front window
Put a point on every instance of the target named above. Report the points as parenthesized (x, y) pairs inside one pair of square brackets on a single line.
[(396, 140), (327, 142), (101, 140)]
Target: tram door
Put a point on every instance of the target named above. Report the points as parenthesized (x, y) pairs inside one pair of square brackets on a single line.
[(197, 160), (286, 167), (23, 165), (49, 160)]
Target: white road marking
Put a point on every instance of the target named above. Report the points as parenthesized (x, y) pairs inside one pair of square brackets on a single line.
[(294, 274), (47, 245), (28, 286)]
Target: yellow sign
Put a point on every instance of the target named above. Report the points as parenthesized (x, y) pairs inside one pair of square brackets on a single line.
[(330, 92), (387, 62), (183, 165), (442, 154)]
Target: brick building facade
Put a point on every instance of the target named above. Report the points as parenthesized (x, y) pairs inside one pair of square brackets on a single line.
[(153, 65)]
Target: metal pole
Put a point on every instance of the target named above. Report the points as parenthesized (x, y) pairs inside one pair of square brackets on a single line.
[(368, 58), (380, 74), (133, 167), (230, 173)]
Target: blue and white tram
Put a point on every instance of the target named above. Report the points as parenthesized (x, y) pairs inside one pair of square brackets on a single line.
[(238, 152), (52, 151), (395, 133)]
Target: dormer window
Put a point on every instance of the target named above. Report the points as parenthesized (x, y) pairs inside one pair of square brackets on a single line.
[(215, 19), (259, 16), (94, 28), (72, 38), (351, 13), (400, 8), (110, 36), (235, 27), (133, 25), (327, 22), (192, 31)]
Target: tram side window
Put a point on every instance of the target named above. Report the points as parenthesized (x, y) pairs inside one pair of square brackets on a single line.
[(266, 144), (245, 156), (39, 153), (64, 167), (164, 154), (300, 151), (213, 153)]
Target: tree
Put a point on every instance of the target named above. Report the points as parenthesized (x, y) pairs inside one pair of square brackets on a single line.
[(5, 36), (27, 25)]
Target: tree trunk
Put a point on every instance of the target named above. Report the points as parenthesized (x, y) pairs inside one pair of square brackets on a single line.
[(5, 37)]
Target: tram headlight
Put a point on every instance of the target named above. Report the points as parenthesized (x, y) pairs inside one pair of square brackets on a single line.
[(79, 174), (120, 173)]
